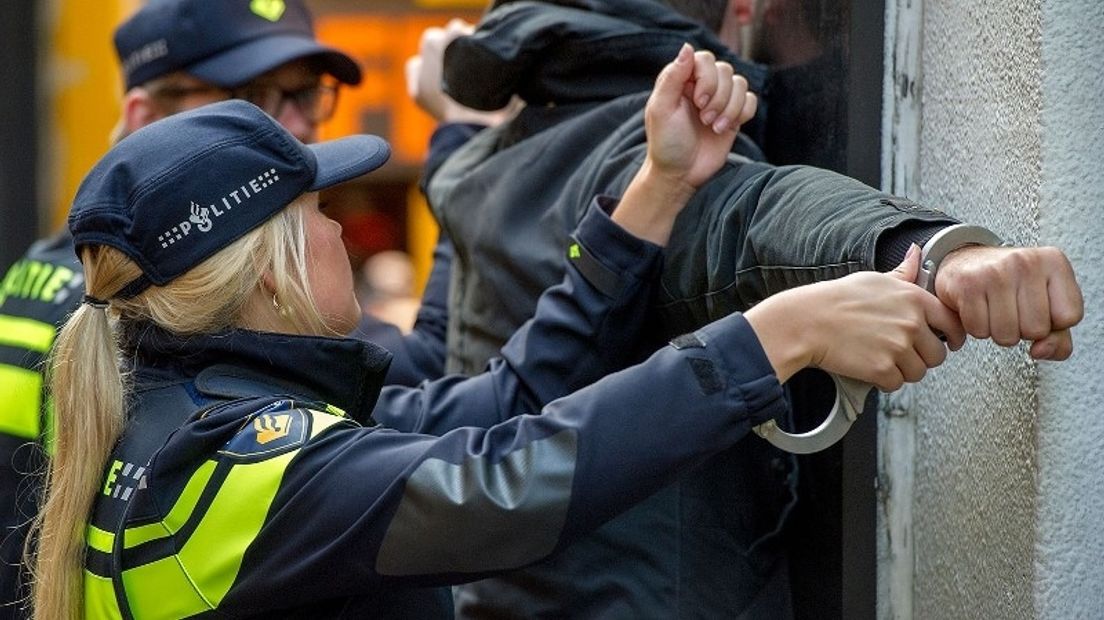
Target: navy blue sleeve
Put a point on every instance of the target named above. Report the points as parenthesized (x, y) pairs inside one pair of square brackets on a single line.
[(419, 355), (382, 508), (446, 138), (583, 329)]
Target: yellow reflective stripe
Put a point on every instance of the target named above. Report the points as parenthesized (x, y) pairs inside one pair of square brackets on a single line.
[(100, 540), (145, 533), (214, 551), (189, 497), (21, 398), (321, 421), (26, 333), (178, 514), (198, 577), (163, 589), (99, 598)]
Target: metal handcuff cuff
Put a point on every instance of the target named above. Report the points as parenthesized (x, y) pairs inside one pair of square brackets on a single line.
[(851, 394)]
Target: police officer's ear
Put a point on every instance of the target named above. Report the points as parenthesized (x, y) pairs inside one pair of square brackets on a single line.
[(139, 109), (265, 310), (268, 282)]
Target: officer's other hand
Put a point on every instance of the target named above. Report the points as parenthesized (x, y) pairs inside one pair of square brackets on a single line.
[(684, 149), (1013, 294), (693, 116)]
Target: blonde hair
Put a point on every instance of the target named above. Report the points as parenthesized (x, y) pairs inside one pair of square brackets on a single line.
[(89, 390)]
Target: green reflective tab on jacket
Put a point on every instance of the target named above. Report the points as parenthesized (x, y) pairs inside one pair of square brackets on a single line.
[(21, 398), (26, 333)]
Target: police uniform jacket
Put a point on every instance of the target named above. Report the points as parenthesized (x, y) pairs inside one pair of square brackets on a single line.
[(41, 290), (252, 481)]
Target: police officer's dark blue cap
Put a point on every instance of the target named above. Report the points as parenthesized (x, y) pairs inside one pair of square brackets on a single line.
[(224, 42), (177, 191)]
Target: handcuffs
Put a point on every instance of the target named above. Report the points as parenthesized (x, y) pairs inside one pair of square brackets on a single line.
[(851, 394)]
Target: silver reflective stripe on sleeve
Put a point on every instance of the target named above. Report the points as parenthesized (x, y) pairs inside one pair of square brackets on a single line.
[(477, 516)]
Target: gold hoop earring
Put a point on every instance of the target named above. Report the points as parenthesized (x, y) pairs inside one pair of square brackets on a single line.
[(280, 310)]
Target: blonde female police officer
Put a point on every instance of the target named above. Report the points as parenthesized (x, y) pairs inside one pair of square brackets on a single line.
[(246, 476)]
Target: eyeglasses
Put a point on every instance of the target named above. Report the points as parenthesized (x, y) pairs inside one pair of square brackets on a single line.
[(175, 91), (316, 103)]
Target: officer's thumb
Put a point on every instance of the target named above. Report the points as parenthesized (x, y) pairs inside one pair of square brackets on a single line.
[(909, 267)]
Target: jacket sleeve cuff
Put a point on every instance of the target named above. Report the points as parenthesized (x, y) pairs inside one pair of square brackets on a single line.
[(893, 244), (922, 224), (736, 347), (605, 254)]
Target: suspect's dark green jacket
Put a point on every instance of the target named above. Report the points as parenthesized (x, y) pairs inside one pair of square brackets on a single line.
[(712, 545)]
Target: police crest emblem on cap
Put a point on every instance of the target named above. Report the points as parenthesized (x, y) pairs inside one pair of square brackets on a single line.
[(272, 10)]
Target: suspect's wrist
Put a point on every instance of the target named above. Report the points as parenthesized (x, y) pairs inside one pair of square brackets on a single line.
[(946, 241)]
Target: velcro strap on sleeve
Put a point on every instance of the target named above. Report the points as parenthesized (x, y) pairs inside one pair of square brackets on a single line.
[(599, 276)]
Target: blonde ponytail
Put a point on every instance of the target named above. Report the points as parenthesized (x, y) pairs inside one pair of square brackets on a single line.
[(88, 388), (87, 392)]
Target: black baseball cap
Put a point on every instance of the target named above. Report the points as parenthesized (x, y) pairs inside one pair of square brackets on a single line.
[(224, 42), (177, 191)]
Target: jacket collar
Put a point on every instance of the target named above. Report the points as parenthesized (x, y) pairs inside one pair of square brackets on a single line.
[(538, 50), (343, 372)]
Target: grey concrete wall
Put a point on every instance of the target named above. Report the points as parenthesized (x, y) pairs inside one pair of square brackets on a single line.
[(1007, 516), (980, 153), (1069, 555)]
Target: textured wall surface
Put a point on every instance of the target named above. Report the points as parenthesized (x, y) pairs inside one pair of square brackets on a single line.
[(1008, 505), (1070, 540), (976, 462)]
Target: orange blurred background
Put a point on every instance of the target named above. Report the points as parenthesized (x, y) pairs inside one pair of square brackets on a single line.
[(82, 88)]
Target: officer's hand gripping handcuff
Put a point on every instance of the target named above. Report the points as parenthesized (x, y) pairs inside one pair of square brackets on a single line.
[(851, 394)]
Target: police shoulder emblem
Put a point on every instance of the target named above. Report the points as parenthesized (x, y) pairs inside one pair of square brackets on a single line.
[(268, 433)]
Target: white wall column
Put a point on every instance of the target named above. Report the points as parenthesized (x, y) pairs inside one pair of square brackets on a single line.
[(1003, 457)]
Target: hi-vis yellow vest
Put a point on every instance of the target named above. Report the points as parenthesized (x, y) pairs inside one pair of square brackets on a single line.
[(184, 561)]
